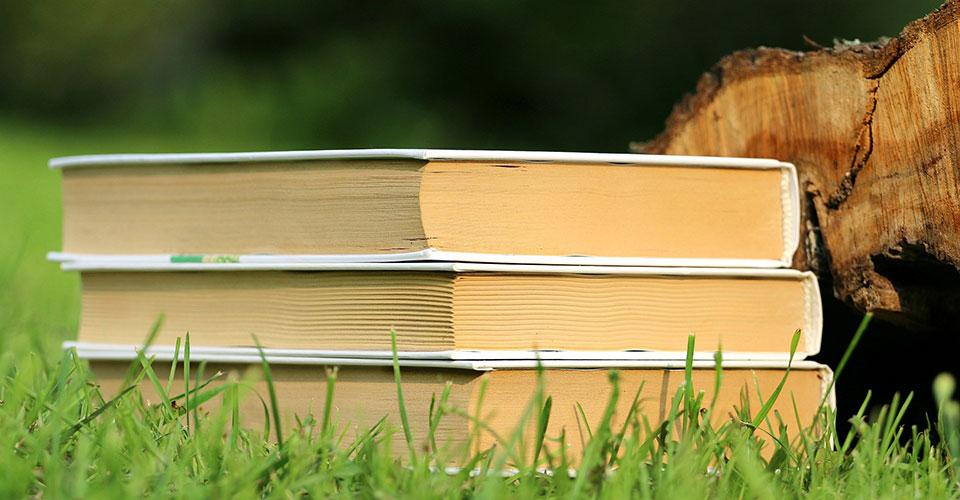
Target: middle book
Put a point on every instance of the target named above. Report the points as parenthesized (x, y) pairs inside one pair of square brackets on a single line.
[(454, 309)]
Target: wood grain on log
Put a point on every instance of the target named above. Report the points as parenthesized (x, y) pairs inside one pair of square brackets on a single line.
[(874, 130)]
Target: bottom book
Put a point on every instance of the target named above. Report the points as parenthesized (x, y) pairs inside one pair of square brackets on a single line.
[(487, 399)]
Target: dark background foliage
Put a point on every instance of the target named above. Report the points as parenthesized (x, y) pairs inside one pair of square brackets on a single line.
[(497, 74)]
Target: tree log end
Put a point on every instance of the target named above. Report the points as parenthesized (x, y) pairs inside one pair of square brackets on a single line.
[(874, 130)]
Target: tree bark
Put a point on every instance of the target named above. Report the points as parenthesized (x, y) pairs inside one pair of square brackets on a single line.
[(874, 130)]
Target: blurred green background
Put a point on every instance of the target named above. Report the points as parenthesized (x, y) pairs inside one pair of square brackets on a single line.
[(121, 76)]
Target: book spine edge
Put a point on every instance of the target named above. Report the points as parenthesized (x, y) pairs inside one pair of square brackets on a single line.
[(790, 208), (813, 323)]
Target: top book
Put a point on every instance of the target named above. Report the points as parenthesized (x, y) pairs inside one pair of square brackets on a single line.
[(396, 204)]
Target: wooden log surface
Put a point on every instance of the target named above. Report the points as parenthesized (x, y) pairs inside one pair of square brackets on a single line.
[(874, 130)]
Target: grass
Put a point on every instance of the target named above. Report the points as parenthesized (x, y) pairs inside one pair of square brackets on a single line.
[(60, 437)]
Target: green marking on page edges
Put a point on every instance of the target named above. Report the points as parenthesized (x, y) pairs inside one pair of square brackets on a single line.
[(204, 259)]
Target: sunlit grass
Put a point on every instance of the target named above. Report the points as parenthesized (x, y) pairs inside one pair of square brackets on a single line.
[(60, 436)]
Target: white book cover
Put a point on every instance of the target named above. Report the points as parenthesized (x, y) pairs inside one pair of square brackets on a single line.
[(117, 352), (120, 353), (789, 201), (112, 353)]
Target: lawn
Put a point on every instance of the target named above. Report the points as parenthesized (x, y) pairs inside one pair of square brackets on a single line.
[(60, 437)]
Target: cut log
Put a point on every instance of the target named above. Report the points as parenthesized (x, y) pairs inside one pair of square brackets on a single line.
[(874, 130)]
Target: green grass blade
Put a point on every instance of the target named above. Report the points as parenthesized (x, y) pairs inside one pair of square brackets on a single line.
[(436, 414), (586, 423), (152, 375), (326, 424), (631, 415), (271, 391), (542, 422), (197, 387), (173, 365), (768, 405), (147, 342), (864, 323), (186, 378), (717, 379), (690, 415), (96, 413), (404, 421)]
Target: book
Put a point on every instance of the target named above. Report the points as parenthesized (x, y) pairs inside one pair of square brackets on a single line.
[(365, 391), (446, 205), (451, 310)]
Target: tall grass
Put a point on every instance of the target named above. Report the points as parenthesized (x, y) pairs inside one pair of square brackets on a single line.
[(60, 436)]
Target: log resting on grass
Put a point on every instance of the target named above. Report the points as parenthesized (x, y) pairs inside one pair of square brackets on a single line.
[(874, 130)]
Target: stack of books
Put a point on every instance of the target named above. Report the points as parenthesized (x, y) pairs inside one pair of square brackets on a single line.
[(483, 264)]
